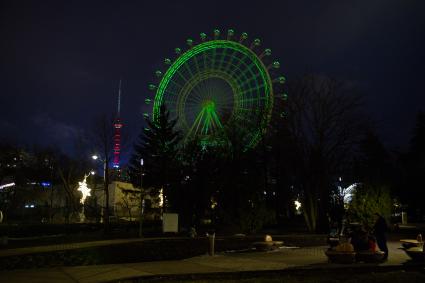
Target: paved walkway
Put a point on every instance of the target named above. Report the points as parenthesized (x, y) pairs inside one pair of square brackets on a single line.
[(72, 246), (225, 262)]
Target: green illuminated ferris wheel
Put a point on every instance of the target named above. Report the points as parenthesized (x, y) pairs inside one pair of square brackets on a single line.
[(217, 82)]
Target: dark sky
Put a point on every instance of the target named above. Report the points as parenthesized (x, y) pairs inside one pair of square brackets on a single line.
[(60, 61)]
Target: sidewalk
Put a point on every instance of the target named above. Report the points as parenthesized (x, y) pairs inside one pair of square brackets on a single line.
[(72, 246), (226, 262)]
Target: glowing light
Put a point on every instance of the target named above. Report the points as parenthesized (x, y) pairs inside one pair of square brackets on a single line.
[(82, 187), (7, 185), (95, 157), (348, 192), (245, 102), (161, 197), (214, 203), (297, 204), (45, 184)]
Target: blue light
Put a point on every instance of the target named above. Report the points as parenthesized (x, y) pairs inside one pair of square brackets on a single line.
[(46, 184)]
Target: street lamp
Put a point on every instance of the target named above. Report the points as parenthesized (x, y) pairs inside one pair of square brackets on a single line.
[(141, 199), (105, 210)]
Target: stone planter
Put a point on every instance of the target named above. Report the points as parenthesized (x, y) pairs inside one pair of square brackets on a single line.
[(369, 256), (341, 257)]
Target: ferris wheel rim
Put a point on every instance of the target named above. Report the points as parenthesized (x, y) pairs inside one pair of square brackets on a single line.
[(264, 77)]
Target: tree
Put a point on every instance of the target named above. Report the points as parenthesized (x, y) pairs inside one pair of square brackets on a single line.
[(373, 163), (70, 172), (412, 188), (324, 124), (368, 200), (103, 137), (158, 147)]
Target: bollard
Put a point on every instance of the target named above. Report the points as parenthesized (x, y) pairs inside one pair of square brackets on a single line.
[(211, 241)]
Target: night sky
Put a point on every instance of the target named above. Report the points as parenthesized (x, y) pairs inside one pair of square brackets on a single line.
[(61, 61)]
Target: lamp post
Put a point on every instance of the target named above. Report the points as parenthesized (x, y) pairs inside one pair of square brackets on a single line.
[(141, 199), (105, 209)]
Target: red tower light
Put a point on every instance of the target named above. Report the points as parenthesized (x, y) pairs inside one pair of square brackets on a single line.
[(117, 133)]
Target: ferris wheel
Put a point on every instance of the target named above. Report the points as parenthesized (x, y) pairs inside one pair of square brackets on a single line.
[(218, 82)]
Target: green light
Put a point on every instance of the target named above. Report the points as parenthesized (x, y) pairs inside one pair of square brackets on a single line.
[(158, 74), (203, 36), (268, 52), (216, 33), (214, 83), (148, 101), (177, 51), (167, 61), (244, 36), (257, 42), (282, 79), (230, 32), (276, 64), (207, 122), (189, 42), (152, 87)]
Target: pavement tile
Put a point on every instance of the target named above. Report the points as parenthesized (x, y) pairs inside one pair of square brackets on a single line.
[(223, 262), (175, 267), (102, 273), (51, 275)]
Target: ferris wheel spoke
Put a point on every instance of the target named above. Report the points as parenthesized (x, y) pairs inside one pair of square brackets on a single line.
[(198, 69), (248, 81), (193, 99), (221, 81), (223, 55), (256, 88), (176, 84), (180, 73), (236, 67)]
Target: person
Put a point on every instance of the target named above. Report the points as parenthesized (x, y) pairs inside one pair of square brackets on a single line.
[(380, 229), (359, 239)]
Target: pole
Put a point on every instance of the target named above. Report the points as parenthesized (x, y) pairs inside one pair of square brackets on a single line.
[(106, 191), (141, 199)]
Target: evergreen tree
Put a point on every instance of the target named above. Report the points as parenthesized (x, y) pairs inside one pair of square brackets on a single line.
[(158, 147)]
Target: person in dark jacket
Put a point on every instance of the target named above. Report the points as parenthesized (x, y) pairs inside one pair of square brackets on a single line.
[(380, 229)]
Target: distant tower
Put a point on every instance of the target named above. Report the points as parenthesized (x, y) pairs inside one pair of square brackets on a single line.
[(117, 132)]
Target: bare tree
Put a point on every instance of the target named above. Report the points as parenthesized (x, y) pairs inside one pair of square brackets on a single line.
[(324, 123), (103, 137), (69, 171)]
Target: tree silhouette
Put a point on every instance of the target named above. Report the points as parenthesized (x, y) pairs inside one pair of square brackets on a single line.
[(158, 146), (324, 125)]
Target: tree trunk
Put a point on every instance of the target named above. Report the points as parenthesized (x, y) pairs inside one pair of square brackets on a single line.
[(310, 212)]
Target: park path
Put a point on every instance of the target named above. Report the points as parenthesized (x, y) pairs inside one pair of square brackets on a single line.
[(284, 258), (72, 246)]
